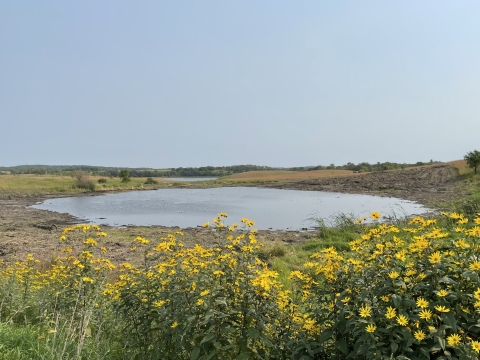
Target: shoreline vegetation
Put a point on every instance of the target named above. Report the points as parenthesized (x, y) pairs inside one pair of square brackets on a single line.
[(72, 292)]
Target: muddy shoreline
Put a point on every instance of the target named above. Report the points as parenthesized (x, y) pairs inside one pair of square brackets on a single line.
[(26, 230)]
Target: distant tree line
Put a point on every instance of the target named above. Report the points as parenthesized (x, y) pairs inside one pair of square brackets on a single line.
[(212, 171), (365, 166), (207, 171)]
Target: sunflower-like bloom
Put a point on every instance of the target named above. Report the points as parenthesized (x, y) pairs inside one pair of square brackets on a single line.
[(441, 308), (375, 215), (391, 312), (476, 346), (371, 328), (422, 303), (365, 311), (442, 293), (453, 339), (419, 335), (475, 265), (435, 257), (402, 320), (393, 275), (425, 314)]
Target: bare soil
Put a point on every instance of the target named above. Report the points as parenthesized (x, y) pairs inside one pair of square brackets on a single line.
[(26, 230), (429, 185)]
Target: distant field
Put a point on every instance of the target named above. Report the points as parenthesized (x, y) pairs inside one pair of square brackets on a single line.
[(277, 175), (50, 184)]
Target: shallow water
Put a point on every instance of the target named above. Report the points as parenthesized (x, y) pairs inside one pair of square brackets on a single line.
[(269, 208)]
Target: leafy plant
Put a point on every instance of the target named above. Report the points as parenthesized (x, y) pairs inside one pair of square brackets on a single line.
[(473, 159)]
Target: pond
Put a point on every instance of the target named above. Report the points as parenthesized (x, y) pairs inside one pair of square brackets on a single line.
[(269, 208)]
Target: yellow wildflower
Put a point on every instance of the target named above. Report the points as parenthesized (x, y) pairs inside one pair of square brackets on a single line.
[(435, 257), (453, 339), (370, 328), (419, 335), (441, 308), (402, 320), (365, 311)]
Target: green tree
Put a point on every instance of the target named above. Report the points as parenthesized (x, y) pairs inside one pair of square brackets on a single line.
[(125, 175), (473, 159)]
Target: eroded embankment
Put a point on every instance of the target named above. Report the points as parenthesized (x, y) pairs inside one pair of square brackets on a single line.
[(427, 185)]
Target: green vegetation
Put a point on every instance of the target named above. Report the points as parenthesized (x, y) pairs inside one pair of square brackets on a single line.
[(124, 175), (409, 290), (473, 159), (151, 181)]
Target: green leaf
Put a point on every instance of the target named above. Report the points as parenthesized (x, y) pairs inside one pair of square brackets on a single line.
[(195, 353), (394, 347), (221, 301), (211, 355), (447, 280), (253, 333), (449, 319), (208, 338), (342, 346), (265, 340), (325, 335), (243, 356), (441, 341), (425, 352), (397, 300)]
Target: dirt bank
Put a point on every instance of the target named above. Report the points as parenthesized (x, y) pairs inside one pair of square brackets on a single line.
[(428, 185)]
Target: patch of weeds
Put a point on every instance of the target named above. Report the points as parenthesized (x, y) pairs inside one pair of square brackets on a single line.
[(151, 181)]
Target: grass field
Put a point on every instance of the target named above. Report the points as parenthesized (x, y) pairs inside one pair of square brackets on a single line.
[(52, 184), (278, 175)]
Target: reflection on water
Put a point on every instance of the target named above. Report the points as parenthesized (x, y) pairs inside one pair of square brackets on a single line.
[(269, 208)]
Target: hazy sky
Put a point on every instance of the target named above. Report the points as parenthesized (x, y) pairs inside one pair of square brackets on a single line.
[(278, 83)]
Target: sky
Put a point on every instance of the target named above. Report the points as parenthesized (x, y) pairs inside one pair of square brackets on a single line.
[(278, 83)]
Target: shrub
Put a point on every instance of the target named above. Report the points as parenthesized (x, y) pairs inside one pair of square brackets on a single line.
[(102, 181), (85, 184), (82, 181), (151, 181)]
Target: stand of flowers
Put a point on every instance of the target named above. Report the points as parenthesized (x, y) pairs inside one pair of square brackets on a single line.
[(402, 292)]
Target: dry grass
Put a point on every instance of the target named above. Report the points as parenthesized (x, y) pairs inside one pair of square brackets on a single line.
[(277, 175), (461, 165)]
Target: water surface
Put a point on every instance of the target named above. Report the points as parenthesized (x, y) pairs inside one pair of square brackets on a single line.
[(269, 208)]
